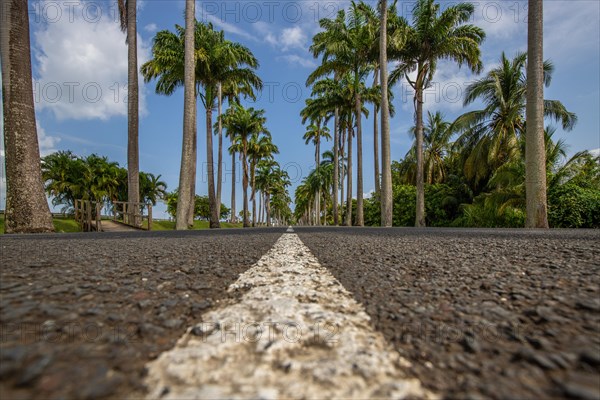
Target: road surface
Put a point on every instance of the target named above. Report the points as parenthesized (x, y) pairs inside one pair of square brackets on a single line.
[(317, 312)]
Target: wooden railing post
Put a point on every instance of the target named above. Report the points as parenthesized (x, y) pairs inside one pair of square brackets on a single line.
[(98, 217)]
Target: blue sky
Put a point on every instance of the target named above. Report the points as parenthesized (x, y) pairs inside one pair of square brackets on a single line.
[(79, 61)]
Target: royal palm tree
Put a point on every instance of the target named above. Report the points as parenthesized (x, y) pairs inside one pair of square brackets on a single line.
[(436, 147), (260, 147), (315, 133), (27, 208), (173, 64), (235, 84), (386, 162), (346, 44), (242, 124), (491, 135), (128, 19), (535, 165), (228, 63), (435, 35)]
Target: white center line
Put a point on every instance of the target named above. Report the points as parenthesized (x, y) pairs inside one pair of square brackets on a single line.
[(294, 333)]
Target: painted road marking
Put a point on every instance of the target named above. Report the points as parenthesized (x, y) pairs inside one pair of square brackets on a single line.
[(294, 333)]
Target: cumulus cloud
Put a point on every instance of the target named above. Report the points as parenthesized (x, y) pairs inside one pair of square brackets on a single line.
[(151, 28), (228, 27), (46, 142), (80, 69), (595, 152), (296, 60), (292, 37)]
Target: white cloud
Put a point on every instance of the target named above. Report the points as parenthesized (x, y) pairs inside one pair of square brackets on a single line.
[(570, 29), (46, 142), (292, 37), (82, 67), (501, 20), (227, 27), (595, 152), (151, 28), (296, 60)]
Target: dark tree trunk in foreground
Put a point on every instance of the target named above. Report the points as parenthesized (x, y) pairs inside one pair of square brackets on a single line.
[(133, 163), (188, 154), (386, 162), (535, 154), (27, 209)]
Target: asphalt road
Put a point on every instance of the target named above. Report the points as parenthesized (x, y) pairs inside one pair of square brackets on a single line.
[(477, 313)]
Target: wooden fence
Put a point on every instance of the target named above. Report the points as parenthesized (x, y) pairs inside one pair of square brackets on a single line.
[(132, 214), (89, 214)]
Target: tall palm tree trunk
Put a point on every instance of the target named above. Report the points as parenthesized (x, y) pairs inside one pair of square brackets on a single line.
[(233, 182), (376, 137), (27, 209), (220, 149), (189, 122), (336, 168), (193, 171), (212, 200), (535, 155), (133, 163), (268, 209), (261, 208), (420, 212), (348, 217), (245, 185), (386, 162), (360, 220), (343, 175), (318, 196), (253, 192)]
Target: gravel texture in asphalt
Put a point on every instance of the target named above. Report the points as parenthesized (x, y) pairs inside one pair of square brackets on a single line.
[(479, 313), (81, 314), (295, 333)]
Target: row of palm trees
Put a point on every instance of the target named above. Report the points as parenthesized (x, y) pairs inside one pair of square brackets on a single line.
[(351, 46), (359, 43)]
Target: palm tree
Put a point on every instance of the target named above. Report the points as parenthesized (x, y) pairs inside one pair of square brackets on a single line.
[(241, 125), (128, 19), (435, 35), (535, 171), (27, 208), (187, 173), (346, 44), (235, 82), (491, 135), (386, 163), (271, 181), (315, 133), (224, 62), (152, 188), (436, 147), (174, 65), (260, 147)]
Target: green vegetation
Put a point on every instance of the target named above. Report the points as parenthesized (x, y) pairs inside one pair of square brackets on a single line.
[(65, 225), (69, 177), (61, 225), (472, 169), (170, 225)]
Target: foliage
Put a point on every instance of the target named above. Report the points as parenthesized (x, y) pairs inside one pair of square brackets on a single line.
[(69, 177), (201, 207), (574, 206)]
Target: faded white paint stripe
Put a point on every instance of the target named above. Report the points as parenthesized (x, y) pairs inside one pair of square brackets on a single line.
[(294, 333)]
